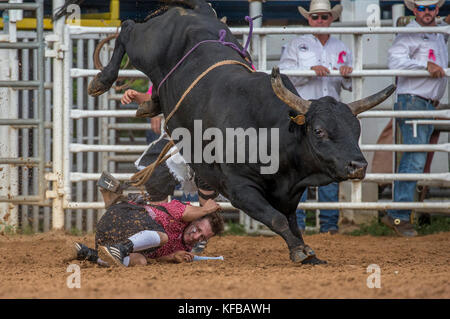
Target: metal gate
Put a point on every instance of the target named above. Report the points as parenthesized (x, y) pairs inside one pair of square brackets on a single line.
[(15, 125)]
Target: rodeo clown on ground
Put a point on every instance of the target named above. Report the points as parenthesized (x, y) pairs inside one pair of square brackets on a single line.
[(133, 230), (138, 227)]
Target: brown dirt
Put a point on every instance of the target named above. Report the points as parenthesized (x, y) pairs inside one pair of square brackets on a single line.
[(254, 267)]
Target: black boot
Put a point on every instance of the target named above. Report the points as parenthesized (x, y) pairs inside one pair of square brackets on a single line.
[(83, 252), (116, 253)]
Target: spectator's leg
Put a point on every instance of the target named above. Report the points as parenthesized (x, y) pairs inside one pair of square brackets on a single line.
[(329, 217), (301, 213), (411, 162), (150, 136)]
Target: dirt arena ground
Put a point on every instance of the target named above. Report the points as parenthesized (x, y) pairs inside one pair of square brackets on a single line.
[(254, 267)]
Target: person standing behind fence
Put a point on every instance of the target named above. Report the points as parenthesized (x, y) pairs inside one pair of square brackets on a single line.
[(138, 97), (321, 53), (416, 51)]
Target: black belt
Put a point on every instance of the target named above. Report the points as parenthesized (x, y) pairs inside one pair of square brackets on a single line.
[(435, 103)]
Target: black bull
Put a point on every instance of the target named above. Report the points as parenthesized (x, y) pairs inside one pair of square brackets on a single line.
[(322, 150)]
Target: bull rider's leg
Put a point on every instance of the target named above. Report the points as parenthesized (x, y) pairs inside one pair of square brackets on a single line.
[(255, 205)]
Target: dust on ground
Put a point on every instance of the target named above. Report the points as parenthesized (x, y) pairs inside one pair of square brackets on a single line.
[(35, 266)]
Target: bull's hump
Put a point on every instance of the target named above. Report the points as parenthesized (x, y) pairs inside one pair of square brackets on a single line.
[(184, 12)]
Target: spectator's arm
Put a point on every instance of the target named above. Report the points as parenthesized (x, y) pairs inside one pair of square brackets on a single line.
[(289, 61), (142, 97), (443, 23), (347, 81), (134, 96), (400, 52)]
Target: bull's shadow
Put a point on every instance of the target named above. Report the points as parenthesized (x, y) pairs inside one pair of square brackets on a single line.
[(318, 140)]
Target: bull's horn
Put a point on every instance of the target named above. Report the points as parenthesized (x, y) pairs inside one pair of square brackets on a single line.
[(371, 101), (292, 100)]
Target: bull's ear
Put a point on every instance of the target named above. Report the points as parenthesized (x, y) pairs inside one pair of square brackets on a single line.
[(295, 120), (371, 101), (223, 20)]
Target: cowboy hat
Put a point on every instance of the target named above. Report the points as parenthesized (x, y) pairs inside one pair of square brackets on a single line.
[(411, 4), (317, 6)]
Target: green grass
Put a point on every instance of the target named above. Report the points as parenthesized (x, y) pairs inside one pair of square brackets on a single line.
[(75, 232), (7, 229), (375, 228), (438, 224), (310, 218), (27, 230), (234, 229)]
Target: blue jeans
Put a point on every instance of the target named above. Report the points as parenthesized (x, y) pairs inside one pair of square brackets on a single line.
[(411, 162), (328, 217)]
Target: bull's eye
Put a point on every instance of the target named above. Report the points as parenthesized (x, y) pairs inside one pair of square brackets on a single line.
[(319, 132)]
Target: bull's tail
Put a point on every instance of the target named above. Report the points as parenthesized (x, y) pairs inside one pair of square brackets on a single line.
[(105, 79)]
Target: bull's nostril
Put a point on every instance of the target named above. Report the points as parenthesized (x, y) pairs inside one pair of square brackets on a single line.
[(357, 165), (357, 169)]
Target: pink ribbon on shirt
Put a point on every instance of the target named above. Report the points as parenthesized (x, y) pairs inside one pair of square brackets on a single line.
[(431, 55), (341, 57)]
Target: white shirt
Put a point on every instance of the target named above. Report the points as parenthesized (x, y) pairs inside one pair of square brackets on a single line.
[(306, 51), (411, 51)]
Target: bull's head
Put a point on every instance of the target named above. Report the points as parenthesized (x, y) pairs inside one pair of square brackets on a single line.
[(332, 129)]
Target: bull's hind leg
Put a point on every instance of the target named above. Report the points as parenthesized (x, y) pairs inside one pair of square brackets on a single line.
[(255, 205), (103, 81)]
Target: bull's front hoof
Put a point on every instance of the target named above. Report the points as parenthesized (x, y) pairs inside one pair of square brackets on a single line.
[(313, 261), (301, 253), (97, 87), (305, 255), (298, 256)]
